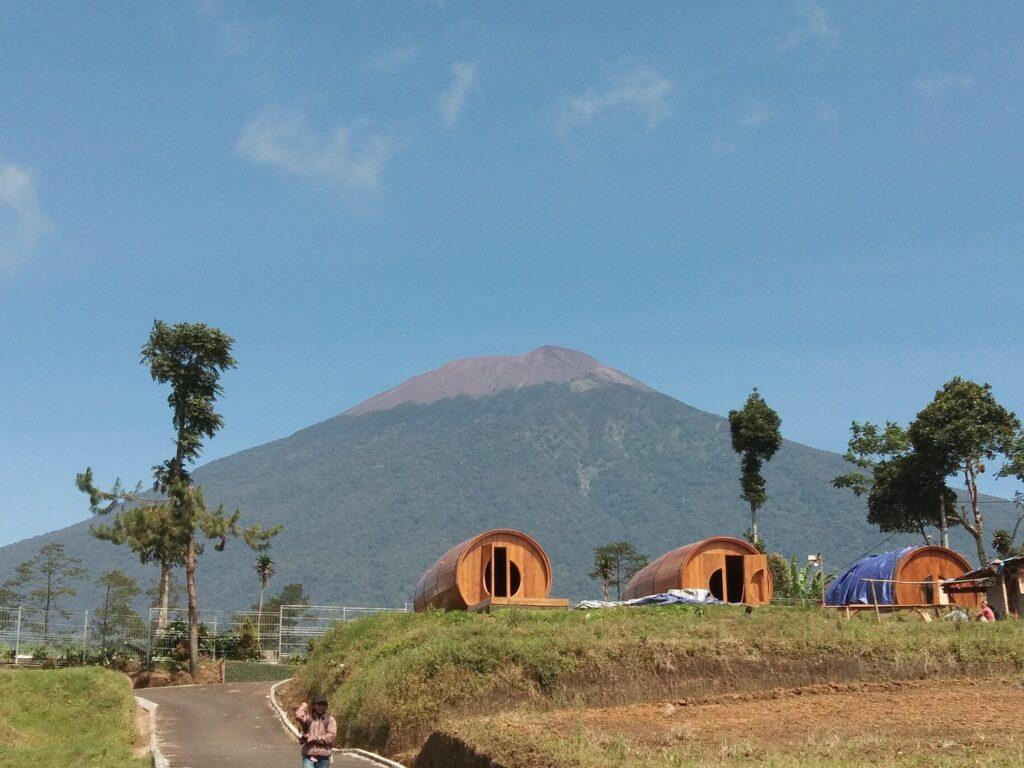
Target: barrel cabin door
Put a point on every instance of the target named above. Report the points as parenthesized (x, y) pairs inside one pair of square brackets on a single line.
[(755, 577), (502, 576), (712, 566)]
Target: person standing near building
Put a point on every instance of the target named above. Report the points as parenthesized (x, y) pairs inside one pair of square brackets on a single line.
[(986, 613), (319, 729)]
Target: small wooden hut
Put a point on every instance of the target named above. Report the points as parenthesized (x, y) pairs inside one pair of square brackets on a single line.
[(910, 576), (731, 569), (496, 568)]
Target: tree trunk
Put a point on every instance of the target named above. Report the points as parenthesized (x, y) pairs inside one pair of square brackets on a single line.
[(165, 595), (46, 607), (259, 616), (193, 613), (606, 589), (979, 529), (924, 535), (943, 523), (753, 525), (106, 618)]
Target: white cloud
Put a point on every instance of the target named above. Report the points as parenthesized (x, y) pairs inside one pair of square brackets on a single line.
[(464, 78), (641, 91), (351, 155), (943, 83), (394, 58), (813, 25), (759, 113), (22, 220)]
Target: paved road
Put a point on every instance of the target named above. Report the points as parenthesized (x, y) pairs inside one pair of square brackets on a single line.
[(226, 726)]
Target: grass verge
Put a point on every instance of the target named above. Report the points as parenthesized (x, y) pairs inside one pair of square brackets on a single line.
[(394, 678), (79, 717)]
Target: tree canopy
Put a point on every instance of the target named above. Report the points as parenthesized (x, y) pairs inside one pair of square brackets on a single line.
[(959, 432), (756, 436)]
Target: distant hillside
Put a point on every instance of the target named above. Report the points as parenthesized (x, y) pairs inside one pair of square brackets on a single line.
[(371, 499)]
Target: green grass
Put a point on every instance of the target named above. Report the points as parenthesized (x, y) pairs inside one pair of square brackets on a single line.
[(255, 671), (69, 717), (394, 677)]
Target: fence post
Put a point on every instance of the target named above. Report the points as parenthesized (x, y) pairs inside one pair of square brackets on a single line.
[(85, 632), (344, 612), (17, 638), (215, 635), (280, 631)]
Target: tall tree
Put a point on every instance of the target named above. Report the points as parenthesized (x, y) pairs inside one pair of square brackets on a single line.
[(115, 612), (46, 579), (615, 564), (191, 357), (961, 430), (756, 437), (265, 570), (905, 493), (149, 529)]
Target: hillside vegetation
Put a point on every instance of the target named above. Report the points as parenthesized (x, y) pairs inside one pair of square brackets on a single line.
[(370, 502), (70, 717), (395, 679)]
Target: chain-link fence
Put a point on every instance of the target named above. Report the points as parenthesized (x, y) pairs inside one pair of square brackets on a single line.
[(28, 633), (301, 625), (33, 633)]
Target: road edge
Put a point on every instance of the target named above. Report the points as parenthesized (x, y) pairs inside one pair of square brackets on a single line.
[(294, 731), (159, 761)]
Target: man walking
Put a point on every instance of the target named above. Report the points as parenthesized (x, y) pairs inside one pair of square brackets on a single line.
[(319, 730)]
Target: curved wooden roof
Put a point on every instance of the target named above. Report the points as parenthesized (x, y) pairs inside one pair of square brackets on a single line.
[(929, 561), (439, 586), (665, 573)]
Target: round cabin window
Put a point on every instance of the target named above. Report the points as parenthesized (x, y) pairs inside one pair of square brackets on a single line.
[(506, 588)]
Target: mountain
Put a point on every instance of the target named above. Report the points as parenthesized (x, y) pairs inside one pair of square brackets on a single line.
[(552, 442)]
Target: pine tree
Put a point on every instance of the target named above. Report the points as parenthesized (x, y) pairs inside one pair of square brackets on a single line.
[(190, 357), (45, 580)]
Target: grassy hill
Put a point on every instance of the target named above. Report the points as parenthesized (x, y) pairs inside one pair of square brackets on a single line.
[(369, 501), (394, 680), (37, 706)]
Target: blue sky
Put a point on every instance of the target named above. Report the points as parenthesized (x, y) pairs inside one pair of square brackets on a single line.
[(821, 200)]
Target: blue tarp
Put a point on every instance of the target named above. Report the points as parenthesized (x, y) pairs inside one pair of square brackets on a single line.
[(850, 588)]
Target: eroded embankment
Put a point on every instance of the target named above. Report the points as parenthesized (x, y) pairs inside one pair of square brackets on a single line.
[(396, 680)]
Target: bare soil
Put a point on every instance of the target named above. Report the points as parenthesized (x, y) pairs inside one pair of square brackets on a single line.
[(159, 678), (977, 722)]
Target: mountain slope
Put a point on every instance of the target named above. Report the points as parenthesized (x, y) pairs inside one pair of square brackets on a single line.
[(371, 500)]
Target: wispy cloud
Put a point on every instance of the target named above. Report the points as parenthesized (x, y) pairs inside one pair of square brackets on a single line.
[(451, 102), (943, 83), (22, 220), (758, 113), (394, 58), (641, 91), (238, 31), (351, 155), (813, 24)]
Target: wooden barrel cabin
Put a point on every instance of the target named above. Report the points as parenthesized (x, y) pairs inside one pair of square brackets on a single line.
[(497, 568), (906, 577), (731, 569)]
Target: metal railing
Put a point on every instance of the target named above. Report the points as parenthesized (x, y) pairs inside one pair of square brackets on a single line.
[(27, 632)]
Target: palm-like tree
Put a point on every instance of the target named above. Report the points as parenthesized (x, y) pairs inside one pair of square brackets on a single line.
[(265, 570)]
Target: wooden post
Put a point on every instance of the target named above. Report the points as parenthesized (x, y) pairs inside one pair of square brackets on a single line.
[(821, 566), (1006, 597), (874, 600)]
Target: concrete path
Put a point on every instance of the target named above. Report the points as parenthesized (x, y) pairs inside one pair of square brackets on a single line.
[(226, 726)]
